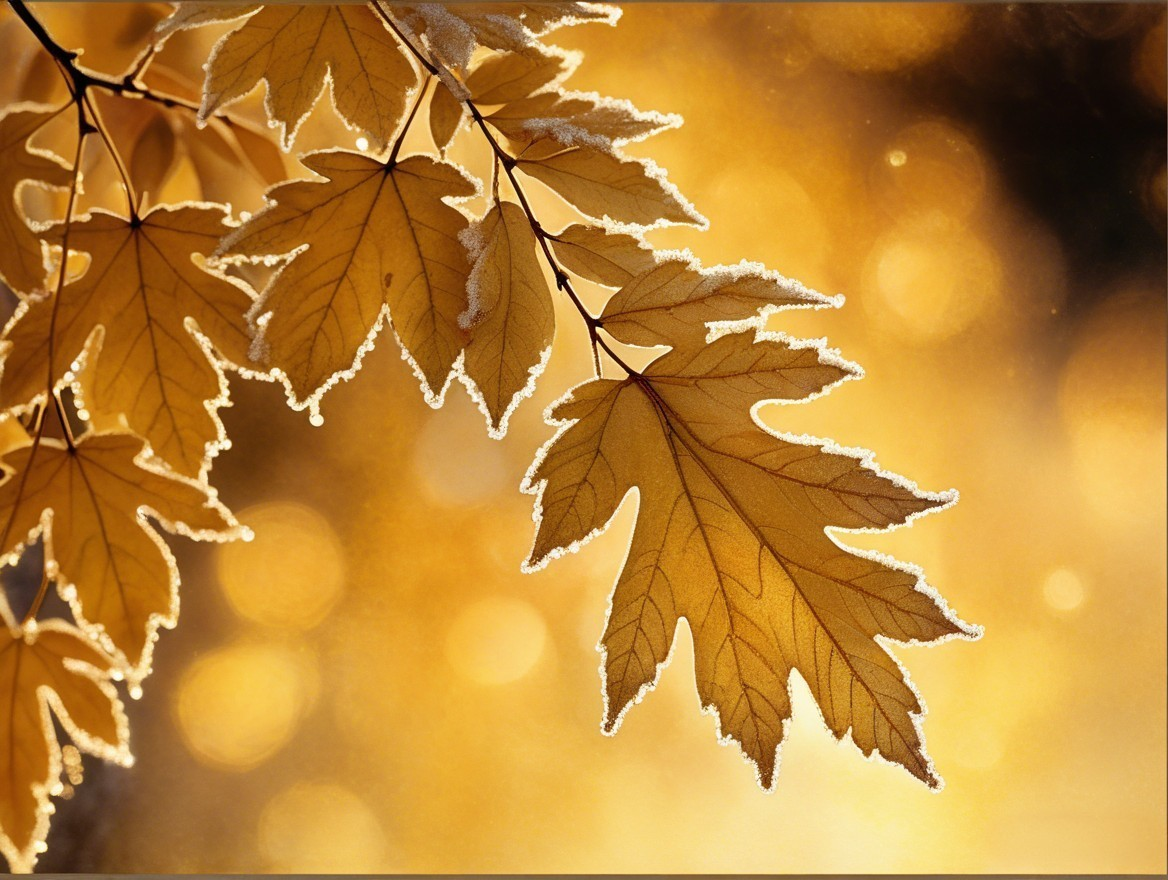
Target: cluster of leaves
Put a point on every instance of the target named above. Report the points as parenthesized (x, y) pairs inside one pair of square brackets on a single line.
[(115, 364)]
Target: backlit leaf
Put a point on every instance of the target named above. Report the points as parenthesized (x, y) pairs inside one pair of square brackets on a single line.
[(52, 671), (609, 258), (155, 308), (90, 505), (508, 76), (446, 115), (731, 536), (512, 318), (367, 237)]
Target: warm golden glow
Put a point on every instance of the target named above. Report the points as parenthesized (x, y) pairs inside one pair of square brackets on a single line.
[(496, 641), (317, 827), (291, 573), (239, 705)]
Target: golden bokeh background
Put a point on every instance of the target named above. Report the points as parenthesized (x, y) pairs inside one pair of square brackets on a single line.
[(371, 684)]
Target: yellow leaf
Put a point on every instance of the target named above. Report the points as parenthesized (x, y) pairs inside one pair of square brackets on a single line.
[(295, 48), (672, 303), (511, 314), (446, 114), (730, 535), (603, 185), (52, 671), (112, 567), (153, 156), (22, 264), (509, 76), (609, 258), (156, 308), (369, 236), (189, 14)]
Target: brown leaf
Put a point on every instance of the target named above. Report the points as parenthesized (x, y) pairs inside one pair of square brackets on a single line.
[(109, 563), (730, 535), (511, 315), (672, 303), (376, 235), (295, 48), (446, 115), (609, 258), (22, 264), (52, 671), (576, 118), (603, 185), (152, 303)]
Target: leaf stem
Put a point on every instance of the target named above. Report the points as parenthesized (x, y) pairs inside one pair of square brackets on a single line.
[(397, 144)]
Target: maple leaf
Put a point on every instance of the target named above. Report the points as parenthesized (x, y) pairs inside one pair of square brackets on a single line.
[(730, 535), (296, 50), (446, 115), (511, 314), (602, 184), (578, 118), (371, 235), (504, 77), (22, 263), (90, 502), (156, 309), (50, 672)]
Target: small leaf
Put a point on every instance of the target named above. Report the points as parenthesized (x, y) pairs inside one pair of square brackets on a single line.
[(153, 157), (511, 314), (603, 185), (508, 76), (446, 115), (376, 235), (294, 48), (52, 673), (609, 258), (672, 303), (22, 263), (576, 118), (111, 566)]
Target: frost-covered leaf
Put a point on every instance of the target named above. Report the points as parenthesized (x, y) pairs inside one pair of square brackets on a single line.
[(512, 318), (672, 303), (294, 48), (22, 264), (609, 258), (601, 184), (111, 565), (452, 31), (155, 308), (504, 77), (730, 535), (189, 14), (446, 115), (576, 118), (368, 236), (52, 671)]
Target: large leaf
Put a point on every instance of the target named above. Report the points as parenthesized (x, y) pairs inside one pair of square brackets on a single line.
[(369, 236), (90, 505), (51, 671), (730, 535), (156, 309)]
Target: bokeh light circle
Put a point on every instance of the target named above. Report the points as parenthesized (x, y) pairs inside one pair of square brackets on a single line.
[(496, 640), (320, 827), (291, 574)]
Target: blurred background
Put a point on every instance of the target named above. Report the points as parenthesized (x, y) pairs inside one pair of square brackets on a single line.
[(372, 685)]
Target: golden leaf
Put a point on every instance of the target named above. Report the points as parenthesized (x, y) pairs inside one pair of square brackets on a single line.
[(294, 49), (46, 671), (672, 303), (446, 114), (609, 258), (577, 118), (369, 236), (90, 502), (509, 76), (156, 309), (730, 535), (22, 263), (511, 314), (603, 185)]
